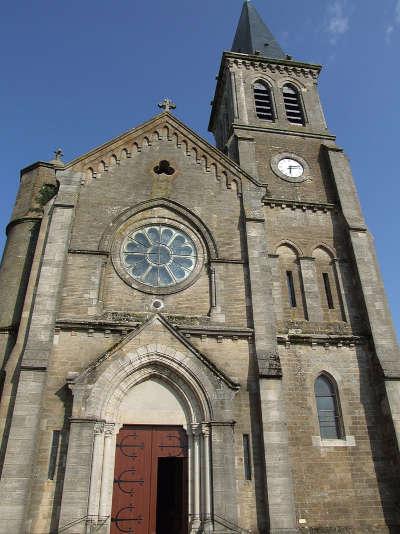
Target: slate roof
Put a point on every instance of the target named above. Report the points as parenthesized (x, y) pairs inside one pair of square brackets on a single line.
[(253, 36)]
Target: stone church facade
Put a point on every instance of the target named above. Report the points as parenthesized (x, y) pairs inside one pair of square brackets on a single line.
[(197, 339)]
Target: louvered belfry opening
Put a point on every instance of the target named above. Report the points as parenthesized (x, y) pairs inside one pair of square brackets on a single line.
[(263, 102), (294, 111)]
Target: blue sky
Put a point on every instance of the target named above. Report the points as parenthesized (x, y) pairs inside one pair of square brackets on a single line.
[(77, 73)]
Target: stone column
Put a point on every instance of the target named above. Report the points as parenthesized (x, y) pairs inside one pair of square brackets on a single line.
[(97, 467), (206, 472), (106, 490), (311, 289), (190, 474), (196, 518)]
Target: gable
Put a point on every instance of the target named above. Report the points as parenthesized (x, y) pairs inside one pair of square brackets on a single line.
[(199, 179), (169, 343), (168, 129)]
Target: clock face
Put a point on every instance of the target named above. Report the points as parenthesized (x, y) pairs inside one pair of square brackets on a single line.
[(290, 168)]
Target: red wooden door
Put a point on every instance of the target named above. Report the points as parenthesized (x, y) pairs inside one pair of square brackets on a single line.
[(134, 506)]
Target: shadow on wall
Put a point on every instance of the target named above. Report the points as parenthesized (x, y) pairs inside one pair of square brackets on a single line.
[(15, 319), (65, 395), (382, 438)]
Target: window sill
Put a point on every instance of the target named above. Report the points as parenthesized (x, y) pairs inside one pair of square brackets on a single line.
[(348, 441)]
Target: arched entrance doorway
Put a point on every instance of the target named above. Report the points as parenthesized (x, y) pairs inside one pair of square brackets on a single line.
[(150, 480), (150, 487), (162, 393)]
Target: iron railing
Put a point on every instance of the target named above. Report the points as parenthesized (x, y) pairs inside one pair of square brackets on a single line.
[(93, 520), (227, 524)]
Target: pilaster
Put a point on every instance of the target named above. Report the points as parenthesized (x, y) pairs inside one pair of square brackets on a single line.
[(393, 395), (217, 292), (24, 430), (77, 480), (279, 482), (311, 289), (376, 305), (247, 154)]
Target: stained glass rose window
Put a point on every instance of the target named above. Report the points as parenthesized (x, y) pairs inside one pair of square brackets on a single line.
[(159, 255)]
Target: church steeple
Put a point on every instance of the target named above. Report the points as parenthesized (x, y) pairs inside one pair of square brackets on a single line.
[(253, 36)]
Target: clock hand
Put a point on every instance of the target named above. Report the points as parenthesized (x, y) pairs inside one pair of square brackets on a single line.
[(291, 167)]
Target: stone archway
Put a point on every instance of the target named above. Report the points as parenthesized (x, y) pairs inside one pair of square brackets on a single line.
[(101, 407)]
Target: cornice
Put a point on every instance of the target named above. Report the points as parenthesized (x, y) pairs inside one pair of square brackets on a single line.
[(282, 131), (299, 204), (321, 340), (88, 252), (282, 66), (228, 260), (9, 329), (121, 327), (216, 331), (278, 62), (21, 220), (38, 164)]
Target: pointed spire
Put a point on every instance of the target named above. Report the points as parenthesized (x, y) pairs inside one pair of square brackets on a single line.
[(253, 36)]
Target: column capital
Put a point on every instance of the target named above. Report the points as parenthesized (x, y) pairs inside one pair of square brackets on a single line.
[(206, 429), (196, 428), (98, 427), (109, 429)]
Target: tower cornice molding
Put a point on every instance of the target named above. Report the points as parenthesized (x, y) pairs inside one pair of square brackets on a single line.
[(290, 67), (276, 130)]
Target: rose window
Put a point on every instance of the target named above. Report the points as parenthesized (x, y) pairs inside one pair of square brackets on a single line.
[(159, 255)]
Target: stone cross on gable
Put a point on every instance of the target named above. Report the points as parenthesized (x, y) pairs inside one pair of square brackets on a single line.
[(167, 104), (58, 153)]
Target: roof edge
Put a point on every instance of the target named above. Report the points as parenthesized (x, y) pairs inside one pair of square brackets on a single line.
[(233, 166)]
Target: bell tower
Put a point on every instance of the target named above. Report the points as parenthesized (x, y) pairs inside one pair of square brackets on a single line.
[(326, 290), (263, 93)]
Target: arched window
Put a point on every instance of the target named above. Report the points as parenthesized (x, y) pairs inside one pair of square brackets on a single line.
[(263, 101), (291, 283), (291, 99), (329, 289), (330, 423)]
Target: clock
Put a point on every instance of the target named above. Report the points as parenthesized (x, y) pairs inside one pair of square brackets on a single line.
[(290, 167)]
